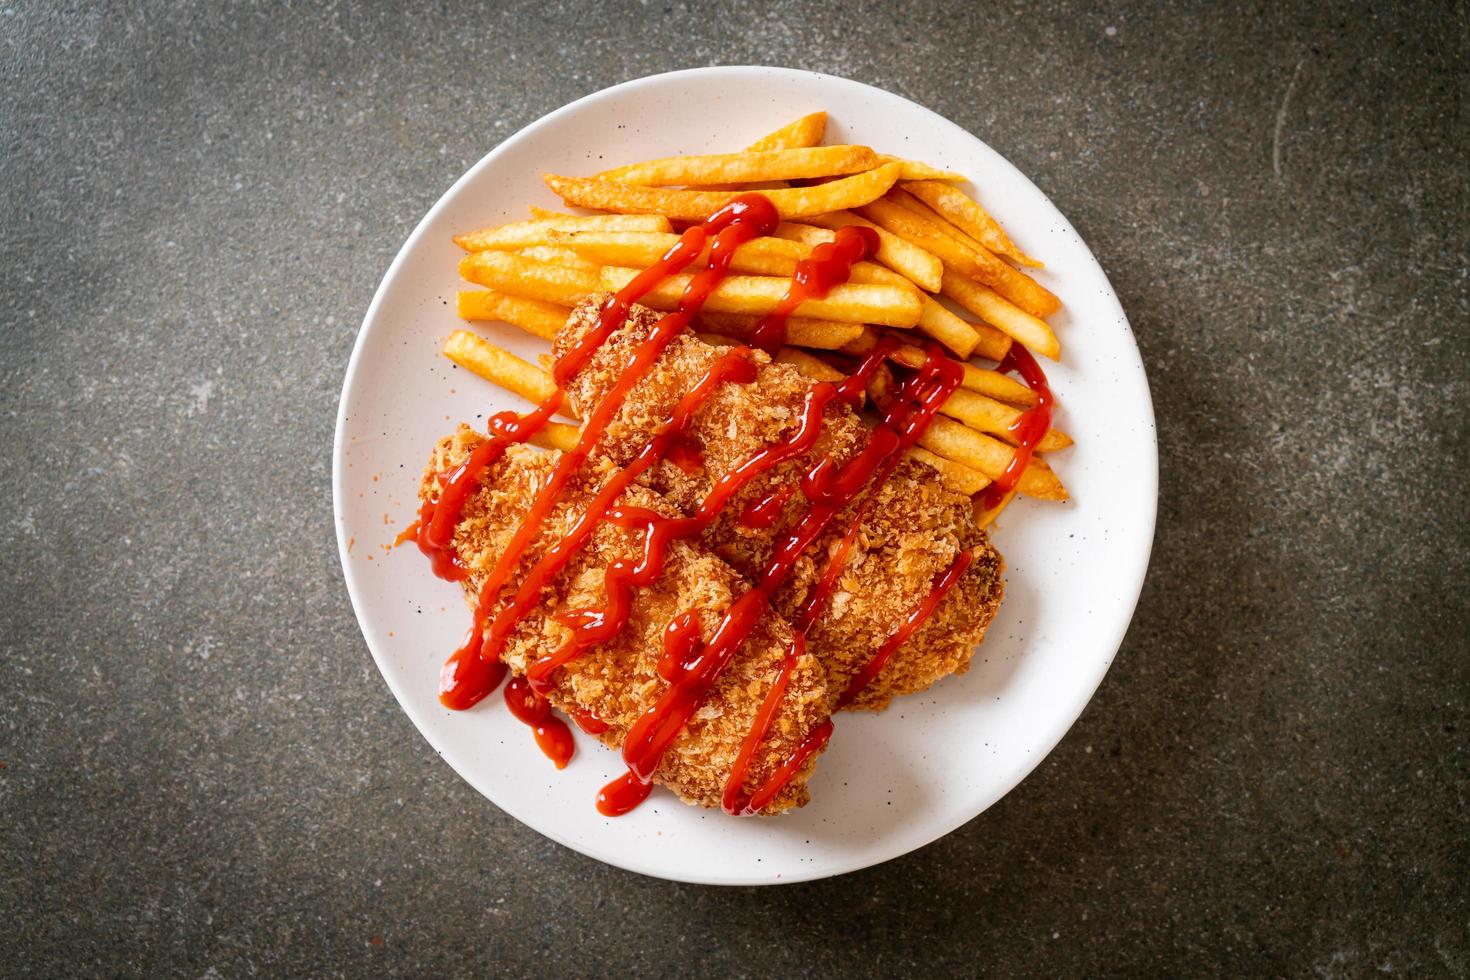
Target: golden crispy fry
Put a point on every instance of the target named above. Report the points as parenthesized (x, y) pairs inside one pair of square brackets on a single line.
[(557, 435), (801, 331), (957, 476), (968, 216), (914, 170), (793, 202), (982, 412), (537, 212), (891, 305), (995, 309), (502, 368), (806, 131), (988, 415), (803, 132), (552, 255), (1043, 336), (1015, 285), (498, 366), (938, 322), (532, 316), (983, 381), (740, 168), (985, 516), (934, 320), (990, 456), (920, 267), (813, 367), (525, 277), (903, 198), (523, 234), (761, 256)]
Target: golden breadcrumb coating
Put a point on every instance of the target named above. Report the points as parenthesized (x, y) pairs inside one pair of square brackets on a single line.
[(617, 681), (910, 534)]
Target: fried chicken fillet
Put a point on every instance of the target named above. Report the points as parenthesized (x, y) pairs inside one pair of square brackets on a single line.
[(911, 529), (617, 681)]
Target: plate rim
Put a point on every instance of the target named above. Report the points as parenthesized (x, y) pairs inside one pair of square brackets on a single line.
[(1148, 481)]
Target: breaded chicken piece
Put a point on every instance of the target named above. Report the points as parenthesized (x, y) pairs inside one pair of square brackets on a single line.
[(911, 530), (617, 681)]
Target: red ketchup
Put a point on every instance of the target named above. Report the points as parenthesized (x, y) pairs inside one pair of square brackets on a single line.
[(1027, 430), (765, 512), (687, 457), (829, 266), (690, 664), (552, 734), (909, 626)]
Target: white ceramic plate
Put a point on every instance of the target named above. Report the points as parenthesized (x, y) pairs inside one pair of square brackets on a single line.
[(889, 783)]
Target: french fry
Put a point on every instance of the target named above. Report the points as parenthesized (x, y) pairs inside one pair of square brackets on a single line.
[(524, 277), (801, 331), (903, 198), (803, 132), (533, 316), (539, 212), (1016, 286), (983, 381), (988, 415), (958, 335), (966, 214), (751, 165), (553, 255), (523, 234), (985, 516), (957, 476), (498, 366), (995, 309), (936, 321), (920, 267), (760, 256), (806, 131), (812, 367), (890, 305), (990, 456), (914, 170), (979, 411), (792, 202), (557, 435)]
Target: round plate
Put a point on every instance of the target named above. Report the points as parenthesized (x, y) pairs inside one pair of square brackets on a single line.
[(891, 782)]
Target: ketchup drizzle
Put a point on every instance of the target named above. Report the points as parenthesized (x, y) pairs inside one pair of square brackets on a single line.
[(681, 642), (1028, 430), (765, 512), (908, 627), (690, 665), (622, 795), (685, 455), (744, 218), (552, 734), (731, 802), (831, 488), (829, 265)]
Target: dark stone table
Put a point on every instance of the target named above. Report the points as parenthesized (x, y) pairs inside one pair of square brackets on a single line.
[(204, 775)]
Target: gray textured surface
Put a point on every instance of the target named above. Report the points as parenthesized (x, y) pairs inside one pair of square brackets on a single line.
[(202, 769)]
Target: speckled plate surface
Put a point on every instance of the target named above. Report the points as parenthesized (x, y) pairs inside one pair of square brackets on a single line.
[(889, 783)]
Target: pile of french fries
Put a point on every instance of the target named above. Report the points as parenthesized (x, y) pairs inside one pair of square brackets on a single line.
[(944, 270)]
